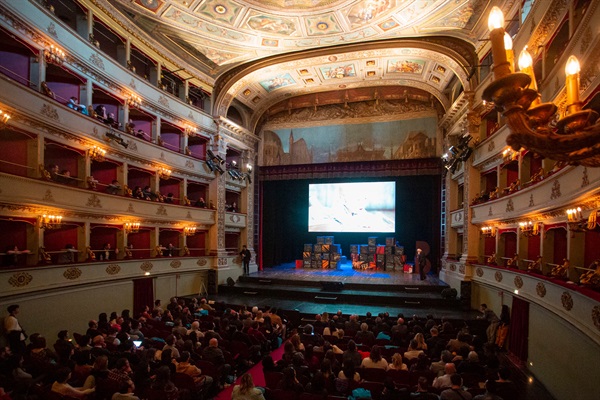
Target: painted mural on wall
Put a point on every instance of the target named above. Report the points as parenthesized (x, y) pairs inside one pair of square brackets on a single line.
[(395, 140)]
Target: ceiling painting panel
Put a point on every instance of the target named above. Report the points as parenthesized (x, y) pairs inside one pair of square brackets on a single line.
[(405, 66), (272, 25), (338, 71), (361, 13), (223, 10), (322, 25), (152, 5), (277, 82)]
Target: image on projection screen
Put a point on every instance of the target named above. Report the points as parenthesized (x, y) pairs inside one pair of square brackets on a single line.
[(352, 207)]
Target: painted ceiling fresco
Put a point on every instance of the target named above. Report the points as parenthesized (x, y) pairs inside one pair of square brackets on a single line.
[(216, 36)]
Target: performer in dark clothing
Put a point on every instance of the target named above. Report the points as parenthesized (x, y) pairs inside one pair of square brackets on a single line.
[(245, 254), (421, 261)]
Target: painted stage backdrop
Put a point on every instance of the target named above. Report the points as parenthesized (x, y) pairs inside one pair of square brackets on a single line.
[(374, 141)]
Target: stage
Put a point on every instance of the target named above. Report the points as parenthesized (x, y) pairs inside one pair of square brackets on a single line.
[(357, 291)]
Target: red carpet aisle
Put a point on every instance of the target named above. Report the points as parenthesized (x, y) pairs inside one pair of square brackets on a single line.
[(257, 375)]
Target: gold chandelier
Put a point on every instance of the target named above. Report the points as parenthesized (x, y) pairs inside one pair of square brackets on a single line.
[(50, 221), (576, 137), (97, 153), (131, 227)]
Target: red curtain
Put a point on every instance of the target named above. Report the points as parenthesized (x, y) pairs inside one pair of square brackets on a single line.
[(592, 250), (560, 245), (533, 247), (510, 244), (143, 294), (519, 329)]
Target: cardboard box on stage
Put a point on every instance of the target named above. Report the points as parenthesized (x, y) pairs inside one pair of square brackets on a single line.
[(354, 248), (336, 248), (380, 250), (399, 250), (372, 241), (308, 247), (363, 257), (389, 250), (324, 264), (306, 255), (325, 248), (333, 265), (335, 257), (328, 239), (320, 239), (364, 248), (307, 263), (299, 264), (390, 241), (318, 248), (372, 249), (408, 269)]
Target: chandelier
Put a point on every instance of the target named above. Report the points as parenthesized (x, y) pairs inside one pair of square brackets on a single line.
[(50, 221), (577, 223), (575, 139), (97, 153), (189, 230), (190, 130), (4, 117), (529, 228), (488, 231), (55, 55), (134, 101), (164, 173), (131, 227)]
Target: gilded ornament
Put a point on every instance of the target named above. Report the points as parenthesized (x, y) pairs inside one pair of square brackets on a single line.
[(52, 30), (97, 61), (161, 210), (20, 279), (162, 100), (202, 262), (175, 264), (585, 180), (50, 112), (72, 273), (462, 269), (130, 208), (518, 282), (452, 267), (510, 207), (146, 266), (94, 201), (567, 301), (555, 190), (531, 204), (498, 276), (479, 272), (540, 289), (48, 196), (113, 269)]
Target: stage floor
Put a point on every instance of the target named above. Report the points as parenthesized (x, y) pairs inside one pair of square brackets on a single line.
[(347, 275)]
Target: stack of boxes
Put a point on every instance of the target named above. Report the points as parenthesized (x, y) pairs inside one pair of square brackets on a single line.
[(371, 255), (325, 254)]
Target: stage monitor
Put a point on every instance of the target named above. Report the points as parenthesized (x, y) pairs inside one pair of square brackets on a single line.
[(352, 207)]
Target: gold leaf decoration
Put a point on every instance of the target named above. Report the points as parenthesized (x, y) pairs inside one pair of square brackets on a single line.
[(20, 279), (202, 262), (540, 289), (113, 269), (518, 282), (175, 264), (498, 276), (146, 266), (479, 272), (72, 273), (567, 301)]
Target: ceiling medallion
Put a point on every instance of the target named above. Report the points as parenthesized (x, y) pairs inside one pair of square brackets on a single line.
[(220, 9), (322, 26)]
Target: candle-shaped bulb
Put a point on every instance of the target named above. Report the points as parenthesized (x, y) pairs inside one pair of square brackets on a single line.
[(525, 59), (572, 84), (508, 43), (496, 19), (572, 67)]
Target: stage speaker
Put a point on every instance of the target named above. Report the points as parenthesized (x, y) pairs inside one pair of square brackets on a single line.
[(212, 282), (465, 294), (332, 286), (230, 282)]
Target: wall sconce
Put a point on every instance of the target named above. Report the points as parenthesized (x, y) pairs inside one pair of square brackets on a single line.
[(189, 230), (488, 231), (190, 130), (164, 173), (577, 223), (96, 153), (248, 174), (134, 101), (4, 117), (131, 227), (55, 55), (50, 221), (531, 123), (529, 228)]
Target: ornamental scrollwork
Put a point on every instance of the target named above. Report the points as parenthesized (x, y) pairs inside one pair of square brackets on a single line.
[(498, 276), (20, 279), (113, 269), (94, 201), (202, 262), (72, 273), (567, 301), (479, 272), (175, 264), (540, 289), (518, 282), (146, 266)]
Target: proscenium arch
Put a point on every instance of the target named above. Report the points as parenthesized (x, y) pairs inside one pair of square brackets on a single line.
[(458, 50)]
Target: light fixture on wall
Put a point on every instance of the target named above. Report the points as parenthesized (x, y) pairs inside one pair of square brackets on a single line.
[(50, 221), (190, 130), (55, 55), (164, 173), (577, 223), (214, 162), (97, 153), (189, 230), (573, 139), (248, 173), (4, 117), (134, 101), (131, 227), (529, 228), (488, 231)]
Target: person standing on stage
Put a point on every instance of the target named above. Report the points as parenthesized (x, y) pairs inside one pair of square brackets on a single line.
[(245, 254), (421, 261)]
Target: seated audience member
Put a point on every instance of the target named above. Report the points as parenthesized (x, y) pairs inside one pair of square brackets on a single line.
[(364, 336), (437, 367), (397, 363), (289, 382), (443, 382), (490, 391), (61, 386), (200, 203), (422, 391), (162, 384), (12, 255), (184, 367), (72, 104), (125, 392), (375, 360), (413, 351), (169, 199), (130, 127), (46, 90), (505, 388), (147, 192), (101, 113), (246, 390), (114, 187), (456, 392), (348, 372), (140, 134), (110, 120), (352, 355), (54, 170)]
